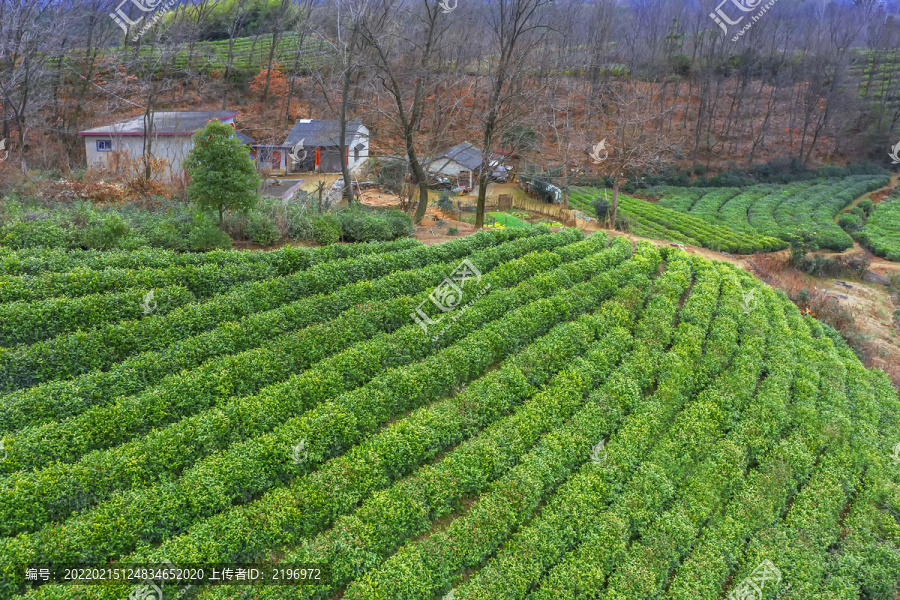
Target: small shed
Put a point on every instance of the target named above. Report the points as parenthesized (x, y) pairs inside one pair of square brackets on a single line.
[(461, 163), (171, 133)]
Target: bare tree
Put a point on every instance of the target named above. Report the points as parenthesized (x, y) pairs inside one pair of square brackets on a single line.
[(403, 39), (238, 20), (635, 141), (338, 80), (516, 29), (30, 33)]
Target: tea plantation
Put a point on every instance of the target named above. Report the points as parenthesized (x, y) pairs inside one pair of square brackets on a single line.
[(881, 233), (558, 417), (798, 212)]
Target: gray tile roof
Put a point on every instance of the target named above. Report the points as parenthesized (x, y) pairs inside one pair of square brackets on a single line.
[(245, 139), (176, 122), (321, 132)]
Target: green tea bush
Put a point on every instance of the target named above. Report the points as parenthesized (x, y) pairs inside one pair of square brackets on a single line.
[(359, 225), (362, 225), (106, 233), (850, 222), (326, 229), (261, 229), (204, 235), (592, 419), (39, 232), (400, 223), (881, 233)]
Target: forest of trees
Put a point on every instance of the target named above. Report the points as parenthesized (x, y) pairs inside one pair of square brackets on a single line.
[(810, 81)]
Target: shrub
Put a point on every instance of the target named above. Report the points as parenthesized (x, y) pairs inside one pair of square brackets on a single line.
[(106, 233), (400, 223), (261, 229), (850, 222), (453, 231), (881, 233), (601, 207), (358, 225), (32, 234), (204, 235), (866, 206), (445, 203), (326, 230)]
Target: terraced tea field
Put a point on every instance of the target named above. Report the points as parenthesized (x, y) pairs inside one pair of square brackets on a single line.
[(557, 417), (881, 233), (799, 211), (659, 222)]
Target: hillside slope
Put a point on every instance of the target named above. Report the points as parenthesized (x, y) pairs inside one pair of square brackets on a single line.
[(587, 419)]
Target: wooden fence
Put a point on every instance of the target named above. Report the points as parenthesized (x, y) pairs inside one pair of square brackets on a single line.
[(556, 211)]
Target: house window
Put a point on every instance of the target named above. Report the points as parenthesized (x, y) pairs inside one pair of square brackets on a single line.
[(104, 145)]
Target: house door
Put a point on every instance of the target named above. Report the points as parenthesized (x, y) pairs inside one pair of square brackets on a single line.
[(331, 160)]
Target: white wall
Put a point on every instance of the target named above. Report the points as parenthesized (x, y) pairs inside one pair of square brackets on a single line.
[(172, 148), (361, 138), (451, 169)]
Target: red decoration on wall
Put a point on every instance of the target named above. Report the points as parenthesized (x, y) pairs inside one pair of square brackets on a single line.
[(317, 156)]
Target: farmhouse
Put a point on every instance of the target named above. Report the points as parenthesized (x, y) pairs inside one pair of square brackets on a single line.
[(314, 145), (171, 140)]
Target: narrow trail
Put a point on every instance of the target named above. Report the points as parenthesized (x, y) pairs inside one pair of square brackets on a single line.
[(879, 265)]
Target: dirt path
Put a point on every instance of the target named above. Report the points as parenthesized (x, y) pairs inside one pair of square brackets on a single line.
[(879, 265), (876, 196)]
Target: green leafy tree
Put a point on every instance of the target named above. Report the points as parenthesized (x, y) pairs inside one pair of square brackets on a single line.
[(222, 174)]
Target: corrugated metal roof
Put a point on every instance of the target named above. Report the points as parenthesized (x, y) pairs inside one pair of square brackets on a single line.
[(321, 133), (176, 122)]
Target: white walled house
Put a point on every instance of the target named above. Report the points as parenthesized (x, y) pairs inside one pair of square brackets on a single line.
[(321, 148), (171, 131)]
